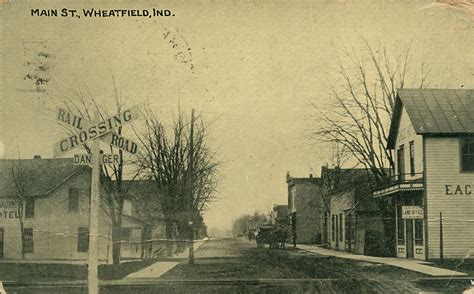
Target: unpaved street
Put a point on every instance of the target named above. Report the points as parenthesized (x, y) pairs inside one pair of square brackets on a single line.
[(238, 266)]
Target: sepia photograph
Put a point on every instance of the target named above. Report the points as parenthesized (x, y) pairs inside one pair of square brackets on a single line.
[(236, 146)]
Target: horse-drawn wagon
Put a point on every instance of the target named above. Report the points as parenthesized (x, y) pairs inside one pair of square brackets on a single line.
[(274, 237)]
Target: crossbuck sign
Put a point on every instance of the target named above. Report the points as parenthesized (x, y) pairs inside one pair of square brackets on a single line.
[(91, 132), (88, 131)]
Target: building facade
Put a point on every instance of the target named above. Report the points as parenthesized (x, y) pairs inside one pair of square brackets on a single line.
[(354, 220), (432, 138), (305, 208), (49, 199), (279, 216)]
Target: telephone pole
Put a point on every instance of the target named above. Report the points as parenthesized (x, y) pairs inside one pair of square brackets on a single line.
[(93, 278), (190, 190)]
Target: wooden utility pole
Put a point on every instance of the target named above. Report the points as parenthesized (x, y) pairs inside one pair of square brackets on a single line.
[(441, 249), (93, 263), (190, 189)]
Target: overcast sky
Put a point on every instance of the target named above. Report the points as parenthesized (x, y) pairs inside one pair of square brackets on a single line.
[(251, 68)]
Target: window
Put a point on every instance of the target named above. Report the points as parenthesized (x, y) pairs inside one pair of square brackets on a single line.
[(467, 154), (73, 200), (28, 240), (126, 234), (400, 226), (401, 231), (412, 158), (341, 225), (83, 240), (30, 208), (293, 207), (400, 163), (127, 207), (333, 228), (418, 232)]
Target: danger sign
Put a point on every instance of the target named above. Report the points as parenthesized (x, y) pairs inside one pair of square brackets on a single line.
[(86, 159)]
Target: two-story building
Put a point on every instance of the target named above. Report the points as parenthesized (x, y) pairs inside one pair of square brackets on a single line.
[(432, 137), (54, 217), (305, 208)]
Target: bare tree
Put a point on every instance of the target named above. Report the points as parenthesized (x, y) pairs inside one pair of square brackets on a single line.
[(80, 101), (357, 117), (166, 160)]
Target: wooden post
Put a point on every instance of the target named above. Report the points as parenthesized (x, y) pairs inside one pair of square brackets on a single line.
[(190, 188), (441, 254), (93, 279)]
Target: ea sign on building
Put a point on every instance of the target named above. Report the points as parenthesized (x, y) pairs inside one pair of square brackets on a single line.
[(432, 137)]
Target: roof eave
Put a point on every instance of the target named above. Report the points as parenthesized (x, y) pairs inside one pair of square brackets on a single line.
[(395, 123)]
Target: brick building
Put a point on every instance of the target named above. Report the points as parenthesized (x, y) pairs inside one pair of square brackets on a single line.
[(305, 208)]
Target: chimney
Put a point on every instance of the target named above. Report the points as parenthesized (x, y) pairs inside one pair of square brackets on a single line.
[(37, 157)]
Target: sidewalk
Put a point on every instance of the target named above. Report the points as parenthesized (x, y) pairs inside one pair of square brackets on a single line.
[(160, 267), (409, 264)]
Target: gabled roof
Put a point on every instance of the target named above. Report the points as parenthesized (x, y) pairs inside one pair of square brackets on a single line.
[(434, 111), (40, 176)]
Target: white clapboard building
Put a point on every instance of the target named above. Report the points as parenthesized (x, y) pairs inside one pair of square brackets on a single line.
[(432, 138), (56, 196)]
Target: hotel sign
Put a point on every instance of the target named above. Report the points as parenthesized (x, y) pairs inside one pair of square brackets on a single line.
[(412, 212)]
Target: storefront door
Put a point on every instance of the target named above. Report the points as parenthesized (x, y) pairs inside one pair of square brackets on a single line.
[(409, 237)]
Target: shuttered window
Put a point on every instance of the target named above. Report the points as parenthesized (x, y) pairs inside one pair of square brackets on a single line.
[(28, 240), (333, 227), (412, 158), (83, 240), (341, 228), (30, 208), (467, 154), (73, 199)]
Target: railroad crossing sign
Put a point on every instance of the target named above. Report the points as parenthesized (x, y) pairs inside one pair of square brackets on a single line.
[(88, 131), (91, 132)]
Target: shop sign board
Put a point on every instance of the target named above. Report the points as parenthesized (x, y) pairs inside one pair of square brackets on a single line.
[(412, 212)]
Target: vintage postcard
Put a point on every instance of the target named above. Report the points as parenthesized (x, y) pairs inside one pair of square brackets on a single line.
[(237, 146)]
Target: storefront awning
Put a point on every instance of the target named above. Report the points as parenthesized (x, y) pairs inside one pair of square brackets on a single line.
[(399, 187)]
